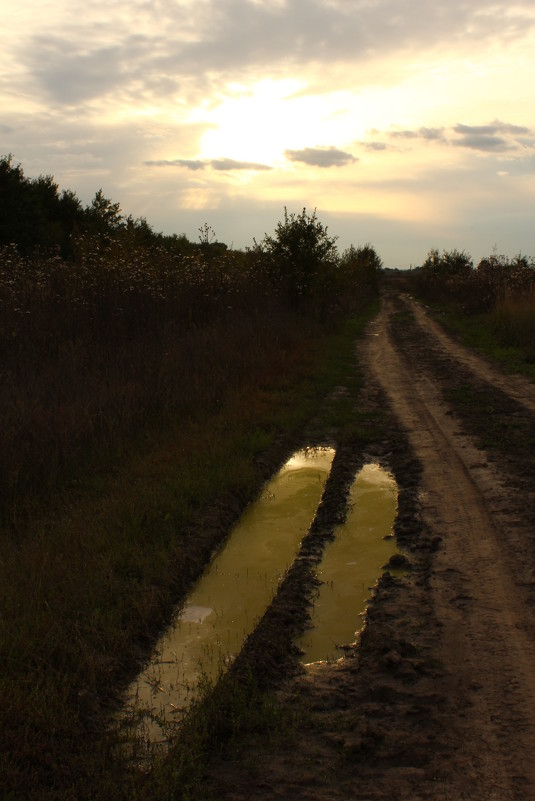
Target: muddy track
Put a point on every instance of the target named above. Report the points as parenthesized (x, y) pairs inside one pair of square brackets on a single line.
[(487, 641), (437, 700)]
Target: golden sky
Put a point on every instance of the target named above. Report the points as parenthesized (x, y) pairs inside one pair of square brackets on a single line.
[(409, 125)]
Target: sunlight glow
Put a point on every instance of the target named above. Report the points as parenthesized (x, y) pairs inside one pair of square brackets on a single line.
[(260, 123), (248, 125)]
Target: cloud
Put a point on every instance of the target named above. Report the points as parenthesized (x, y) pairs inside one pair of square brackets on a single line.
[(321, 156), (89, 91), (189, 164), (492, 129), (497, 137), (430, 134), (522, 165), (71, 76), (221, 165), (231, 164), (492, 144), (312, 31), (374, 145), (408, 134), (178, 46), (404, 134)]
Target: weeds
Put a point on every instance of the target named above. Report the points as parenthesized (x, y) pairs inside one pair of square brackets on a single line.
[(513, 321), (225, 716)]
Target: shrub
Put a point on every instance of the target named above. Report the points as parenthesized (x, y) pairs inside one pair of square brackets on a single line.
[(301, 256), (362, 266)]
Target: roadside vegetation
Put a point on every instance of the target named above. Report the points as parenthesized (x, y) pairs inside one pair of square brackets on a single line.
[(142, 380), (491, 306)]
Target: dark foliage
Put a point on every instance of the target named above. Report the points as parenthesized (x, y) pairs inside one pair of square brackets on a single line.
[(301, 257)]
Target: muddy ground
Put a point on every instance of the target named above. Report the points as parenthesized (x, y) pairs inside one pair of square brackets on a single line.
[(437, 698)]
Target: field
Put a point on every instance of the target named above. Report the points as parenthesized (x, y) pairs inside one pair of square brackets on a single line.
[(148, 390)]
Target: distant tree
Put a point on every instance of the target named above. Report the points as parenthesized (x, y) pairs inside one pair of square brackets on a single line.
[(32, 212), (103, 216), (450, 263), (300, 255), (12, 200), (362, 265), (139, 231), (44, 210), (178, 244), (455, 262)]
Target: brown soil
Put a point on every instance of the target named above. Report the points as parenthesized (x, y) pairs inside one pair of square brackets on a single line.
[(437, 698)]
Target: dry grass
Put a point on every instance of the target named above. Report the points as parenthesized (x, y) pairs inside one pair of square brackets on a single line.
[(513, 320), (117, 342)]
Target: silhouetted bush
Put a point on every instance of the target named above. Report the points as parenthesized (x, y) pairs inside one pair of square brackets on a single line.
[(300, 257)]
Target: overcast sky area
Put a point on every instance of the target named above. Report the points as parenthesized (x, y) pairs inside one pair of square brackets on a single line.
[(407, 124)]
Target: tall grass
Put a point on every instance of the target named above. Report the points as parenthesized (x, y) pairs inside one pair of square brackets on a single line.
[(513, 320), (115, 342), (136, 387), (120, 339)]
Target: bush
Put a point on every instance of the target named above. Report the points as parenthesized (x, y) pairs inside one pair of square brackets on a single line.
[(450, 263), (362, 266), (301, 257)]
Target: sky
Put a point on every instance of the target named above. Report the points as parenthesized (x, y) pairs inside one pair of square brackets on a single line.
[(407, 124)]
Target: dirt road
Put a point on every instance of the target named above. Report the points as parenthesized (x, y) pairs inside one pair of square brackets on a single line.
[(438, 700), (480, 571)]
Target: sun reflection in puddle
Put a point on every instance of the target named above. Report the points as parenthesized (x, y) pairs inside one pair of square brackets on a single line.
[(231, 595)]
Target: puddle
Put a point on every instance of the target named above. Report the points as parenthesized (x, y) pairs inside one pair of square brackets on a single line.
[(231, 595), (351, 564)]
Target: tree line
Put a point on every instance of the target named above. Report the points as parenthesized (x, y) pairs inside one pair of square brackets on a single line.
[(35, 214)]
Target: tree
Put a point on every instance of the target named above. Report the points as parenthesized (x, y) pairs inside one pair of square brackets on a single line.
[(32, 213), (300, 255), (362, 266), (104, 217), (450, 263)]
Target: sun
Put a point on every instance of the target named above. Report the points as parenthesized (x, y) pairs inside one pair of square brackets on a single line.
[(257, 124)]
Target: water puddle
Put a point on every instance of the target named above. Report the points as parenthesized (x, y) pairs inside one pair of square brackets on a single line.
[(231, 595), (351, 564)]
